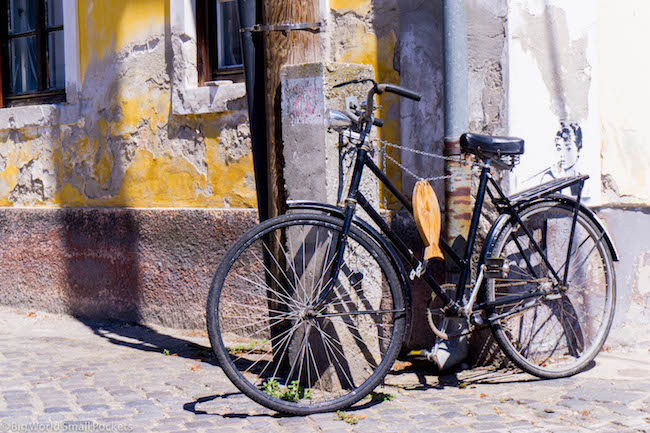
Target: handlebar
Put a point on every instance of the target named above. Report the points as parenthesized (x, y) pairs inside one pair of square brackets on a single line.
[(398, 90), (387, 87), (366, 116)]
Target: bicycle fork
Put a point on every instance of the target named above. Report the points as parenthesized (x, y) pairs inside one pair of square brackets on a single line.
[(350, 207)]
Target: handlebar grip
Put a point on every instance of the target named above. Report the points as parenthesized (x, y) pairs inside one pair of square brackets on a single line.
[(392, 88), (377, 122)]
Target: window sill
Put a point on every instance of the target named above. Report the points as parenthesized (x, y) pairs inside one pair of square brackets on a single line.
[(215, 97), (30, 116)]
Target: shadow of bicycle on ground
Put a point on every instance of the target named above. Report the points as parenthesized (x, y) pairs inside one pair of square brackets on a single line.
[(147, 339)]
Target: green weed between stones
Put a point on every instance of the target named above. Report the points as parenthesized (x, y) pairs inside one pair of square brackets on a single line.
[(293, 392), (254, 346), (380, 396)]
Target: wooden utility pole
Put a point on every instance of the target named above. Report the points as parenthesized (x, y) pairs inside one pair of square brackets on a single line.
[(280, 48)]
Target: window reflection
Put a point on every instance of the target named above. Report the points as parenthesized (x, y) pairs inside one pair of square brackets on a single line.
[(229, 50)]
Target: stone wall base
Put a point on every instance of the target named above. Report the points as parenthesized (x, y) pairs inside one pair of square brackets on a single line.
[(156, 266), (137, 265)]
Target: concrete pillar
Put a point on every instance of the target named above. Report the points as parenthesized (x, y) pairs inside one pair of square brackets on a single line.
[(316, 168)]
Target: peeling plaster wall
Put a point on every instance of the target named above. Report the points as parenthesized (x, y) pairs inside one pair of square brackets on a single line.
[(488, 68), (553, 82), (120, 204), (625, 160), (120, 145), (367, 32), (575, 62)]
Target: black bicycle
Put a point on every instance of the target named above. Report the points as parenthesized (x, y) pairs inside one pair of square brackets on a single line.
[(308, 311)]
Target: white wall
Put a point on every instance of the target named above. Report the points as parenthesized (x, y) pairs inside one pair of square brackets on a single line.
[(552, 79), (624, 92)]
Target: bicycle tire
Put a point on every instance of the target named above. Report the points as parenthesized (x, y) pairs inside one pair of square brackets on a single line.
[(557, 335), (289, 357)]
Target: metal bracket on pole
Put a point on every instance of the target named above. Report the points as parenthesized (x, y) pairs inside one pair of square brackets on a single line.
[(286, 28)]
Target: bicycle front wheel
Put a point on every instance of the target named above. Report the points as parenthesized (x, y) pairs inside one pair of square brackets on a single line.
[(559, 331), (277, 343)]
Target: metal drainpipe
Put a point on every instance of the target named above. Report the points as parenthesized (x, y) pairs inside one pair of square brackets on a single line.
[(448, 353), (253, 55), (457, 188)]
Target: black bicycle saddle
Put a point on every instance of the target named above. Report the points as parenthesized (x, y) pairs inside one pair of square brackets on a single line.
[(490, 145)]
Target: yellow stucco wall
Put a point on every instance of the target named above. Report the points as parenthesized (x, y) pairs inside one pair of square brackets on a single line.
[(126, 148), (374, 44)]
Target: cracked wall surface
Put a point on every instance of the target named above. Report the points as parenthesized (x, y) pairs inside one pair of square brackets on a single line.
[(136, 137), (552, 85), (121, 144), (120, 205), (574, 64), (487, 58), (367, 32)]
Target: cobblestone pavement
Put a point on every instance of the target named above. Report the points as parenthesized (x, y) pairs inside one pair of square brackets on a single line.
[(60, 374)]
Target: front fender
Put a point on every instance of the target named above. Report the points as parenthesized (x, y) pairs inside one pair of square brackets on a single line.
[(294, 205), (300, 205)]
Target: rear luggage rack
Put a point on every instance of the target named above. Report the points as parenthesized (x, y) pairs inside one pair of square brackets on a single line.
[(545, 189)]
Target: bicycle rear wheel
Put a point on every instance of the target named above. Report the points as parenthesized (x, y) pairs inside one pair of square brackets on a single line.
[(275, 345), (558, 333)]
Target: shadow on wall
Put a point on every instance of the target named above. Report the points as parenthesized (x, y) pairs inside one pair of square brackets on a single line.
[(132, 172), (101, 250), (418, 59), (100, 245)]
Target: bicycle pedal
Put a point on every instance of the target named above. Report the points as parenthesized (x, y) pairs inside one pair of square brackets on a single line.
[(496, 267), (422, 354)]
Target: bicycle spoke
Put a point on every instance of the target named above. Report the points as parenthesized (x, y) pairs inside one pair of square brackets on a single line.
[(268, 272), (290, 261), (328, 342), (287, 336), (281, 270), (248, 325), (265, 287), (275, 345), (561, 330)]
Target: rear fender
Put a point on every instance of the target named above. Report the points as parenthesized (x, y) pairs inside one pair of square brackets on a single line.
[(504, 218)]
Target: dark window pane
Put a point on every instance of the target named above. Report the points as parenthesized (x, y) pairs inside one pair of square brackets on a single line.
[(228, 49), (54, 13), (22, 16), (55, 56), (22, 65)]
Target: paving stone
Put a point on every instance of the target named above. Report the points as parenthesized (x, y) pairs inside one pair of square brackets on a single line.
[(95, 407), (451, 415), (52, 418), (56, 409), (11, 414), (166, 428), (452, 429), (520, 423), (486, 426), (139, 403), (18, 406)]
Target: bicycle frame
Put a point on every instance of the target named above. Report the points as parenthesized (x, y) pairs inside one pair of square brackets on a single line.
[(456, 306)]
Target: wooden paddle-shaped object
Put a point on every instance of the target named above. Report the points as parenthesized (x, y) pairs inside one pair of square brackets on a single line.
[(426, 211)]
